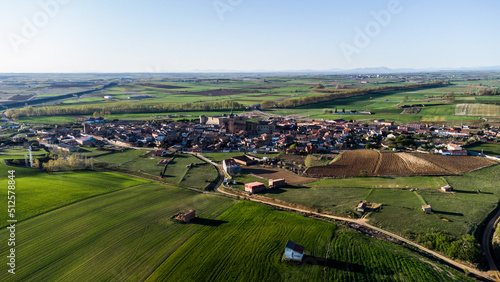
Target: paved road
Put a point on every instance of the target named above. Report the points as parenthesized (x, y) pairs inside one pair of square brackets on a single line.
[(486, 243)]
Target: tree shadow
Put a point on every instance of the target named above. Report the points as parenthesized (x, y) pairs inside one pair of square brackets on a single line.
[(207, 221)]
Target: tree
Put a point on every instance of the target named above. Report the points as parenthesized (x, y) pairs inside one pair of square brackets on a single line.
[(308, 161)]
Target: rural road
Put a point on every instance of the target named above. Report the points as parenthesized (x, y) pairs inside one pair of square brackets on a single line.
[(490, 275), (486, 243)]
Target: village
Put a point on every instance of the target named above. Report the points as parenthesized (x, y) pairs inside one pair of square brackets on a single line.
[(234, 133)]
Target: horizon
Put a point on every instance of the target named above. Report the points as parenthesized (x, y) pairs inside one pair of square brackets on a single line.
[(64, 36)]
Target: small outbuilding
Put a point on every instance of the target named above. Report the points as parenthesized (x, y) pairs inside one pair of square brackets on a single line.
[(362, 207), (186, 217), (276, 183), (446, 188), (427, 208), (294, 251), (255, 187)]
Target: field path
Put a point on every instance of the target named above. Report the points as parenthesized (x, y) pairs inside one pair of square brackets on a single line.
[(493, 274), (487, 275)]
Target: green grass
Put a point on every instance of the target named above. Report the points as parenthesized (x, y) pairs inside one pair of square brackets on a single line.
[(47, 119), (241, 179), (200, 176), (486, 148), (249, 244), (425, 182), (219, 157), (120, 158), (38, 192), (401, 211), (177, 169), (124, 235)]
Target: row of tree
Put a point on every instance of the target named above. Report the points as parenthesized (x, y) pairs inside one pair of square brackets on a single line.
[(333, 94), (121, 107), (485, 91)]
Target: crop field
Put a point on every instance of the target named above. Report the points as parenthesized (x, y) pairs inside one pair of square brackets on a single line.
[(485, 110), (123, 235), (249, 244), (272, 173), (373, 163), (38, 192)]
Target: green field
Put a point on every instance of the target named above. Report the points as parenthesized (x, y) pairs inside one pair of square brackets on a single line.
[(121, 158), (487, 148), (200, 176), (38, 192), (123, 235), (249, 244), (401, 209)]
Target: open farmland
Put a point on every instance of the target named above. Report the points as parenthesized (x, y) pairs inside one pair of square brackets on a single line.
[(123, 235), (249, 244), (38, 192), (486, 110), (373, 163)]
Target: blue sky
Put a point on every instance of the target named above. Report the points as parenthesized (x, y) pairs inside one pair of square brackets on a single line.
[(245, 35)]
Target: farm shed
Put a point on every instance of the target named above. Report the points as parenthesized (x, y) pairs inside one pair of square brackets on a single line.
[(446, 188), (254, 187), (186, 217), (426, 208), (362, 207), (244, 160), (276, 183), (294, 251)]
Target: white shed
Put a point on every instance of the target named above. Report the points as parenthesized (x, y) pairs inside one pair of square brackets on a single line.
[(294, 251)]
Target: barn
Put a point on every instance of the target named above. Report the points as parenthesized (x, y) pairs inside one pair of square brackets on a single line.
[(362, 207), (294, 251), (254, 187)]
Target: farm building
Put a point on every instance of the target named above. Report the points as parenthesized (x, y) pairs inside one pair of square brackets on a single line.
[(427, 208), (446, 188), (276, 183), (186, 217), (361, 207), (255, 187), (231, 166), (294, 251), (244, 160)]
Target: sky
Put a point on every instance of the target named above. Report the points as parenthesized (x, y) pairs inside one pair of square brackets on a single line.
[(246, 35)]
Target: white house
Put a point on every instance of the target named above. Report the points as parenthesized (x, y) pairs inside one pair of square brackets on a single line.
[(231, 166)]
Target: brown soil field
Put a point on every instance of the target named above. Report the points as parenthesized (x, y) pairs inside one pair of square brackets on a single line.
[(271, 173), (372, 163), (21, 97), (457, 164)]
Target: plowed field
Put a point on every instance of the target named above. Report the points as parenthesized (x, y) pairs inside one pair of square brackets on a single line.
[(372, 163)]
